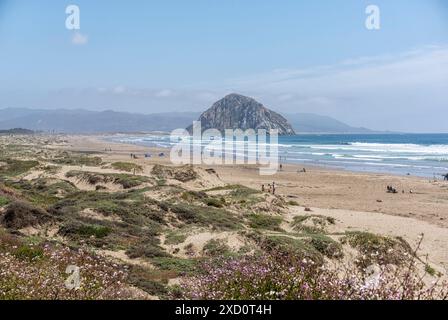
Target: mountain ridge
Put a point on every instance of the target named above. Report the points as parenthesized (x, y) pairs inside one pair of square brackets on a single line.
[(87, 121)]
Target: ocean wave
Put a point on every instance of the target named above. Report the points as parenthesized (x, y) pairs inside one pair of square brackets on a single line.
[(387, 148), (354, 158), (439, 149)]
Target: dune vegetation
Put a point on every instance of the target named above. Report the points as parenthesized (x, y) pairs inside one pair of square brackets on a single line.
[(182, 233)]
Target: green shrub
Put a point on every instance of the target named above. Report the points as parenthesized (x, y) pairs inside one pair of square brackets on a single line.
[(214, 202), (42, 192), (430, 270), (150, 280), (261, 221), (205, 216), (20, 215), (182, 174), (85, 230), (215, 247), (96, 231), (127, 181), (3, 201), (150, 286), (319, 223), (378, 249), (13, 167), (325, 245), (78, 160), (175, 264), (175, 237), (127, 166), (147, 250), (26, 252), (193, 195), (289, 245)]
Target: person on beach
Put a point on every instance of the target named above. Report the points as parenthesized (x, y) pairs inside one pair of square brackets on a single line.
[(445, 177), (391, 189), (262, 188), (273, 188)]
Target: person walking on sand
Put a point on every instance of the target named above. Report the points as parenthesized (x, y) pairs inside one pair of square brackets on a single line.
[(262, 188), (273, 187)]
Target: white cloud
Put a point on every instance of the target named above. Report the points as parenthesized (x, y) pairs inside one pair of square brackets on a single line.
[(119, 90), (79, 39), (164, 93), (420, 67)]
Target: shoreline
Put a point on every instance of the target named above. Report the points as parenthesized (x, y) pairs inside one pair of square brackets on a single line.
[(326, 155)]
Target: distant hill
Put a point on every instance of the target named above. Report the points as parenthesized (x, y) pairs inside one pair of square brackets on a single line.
[(313, 123), (83, 121), (236, 111), (16, 131)]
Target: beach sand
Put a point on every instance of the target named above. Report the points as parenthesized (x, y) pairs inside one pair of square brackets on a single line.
[(358, 201)]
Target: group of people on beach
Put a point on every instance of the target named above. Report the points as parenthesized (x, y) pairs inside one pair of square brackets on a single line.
[(271, 188), (147, 155), (391, 189)]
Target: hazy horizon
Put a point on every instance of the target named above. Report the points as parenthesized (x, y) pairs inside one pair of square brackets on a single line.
[(181, 57)]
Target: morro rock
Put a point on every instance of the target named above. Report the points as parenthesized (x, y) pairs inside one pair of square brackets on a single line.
[(235, 111)]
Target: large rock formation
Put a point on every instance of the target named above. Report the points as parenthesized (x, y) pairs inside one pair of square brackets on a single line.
[(239, 112)]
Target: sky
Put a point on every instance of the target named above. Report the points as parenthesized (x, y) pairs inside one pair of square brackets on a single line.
[(175, 55)]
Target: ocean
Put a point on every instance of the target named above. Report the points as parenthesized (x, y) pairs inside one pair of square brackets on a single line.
[(424, 155)]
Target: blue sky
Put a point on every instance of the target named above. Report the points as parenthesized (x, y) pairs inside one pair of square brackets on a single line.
[(294, 56)]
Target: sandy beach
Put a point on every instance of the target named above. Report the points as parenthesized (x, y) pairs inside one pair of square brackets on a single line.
[(358, 200)]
